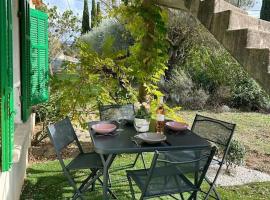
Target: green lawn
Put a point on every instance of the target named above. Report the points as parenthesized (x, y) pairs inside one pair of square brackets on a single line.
[(252, 129), (46, 181)]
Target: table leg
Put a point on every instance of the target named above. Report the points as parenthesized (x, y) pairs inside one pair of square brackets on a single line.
[(107, 161)]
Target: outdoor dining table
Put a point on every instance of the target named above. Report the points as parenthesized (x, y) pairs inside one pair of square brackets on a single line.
[(108, 147)]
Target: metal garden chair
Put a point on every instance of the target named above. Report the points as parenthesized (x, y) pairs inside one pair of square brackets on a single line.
[(121, 114), (173, 172), (62, 134), (219, 133), (117, 112)]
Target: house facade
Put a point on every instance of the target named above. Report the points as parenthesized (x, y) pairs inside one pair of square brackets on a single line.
[(23, 83)]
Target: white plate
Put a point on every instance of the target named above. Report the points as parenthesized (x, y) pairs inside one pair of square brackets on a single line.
[(151, 137)]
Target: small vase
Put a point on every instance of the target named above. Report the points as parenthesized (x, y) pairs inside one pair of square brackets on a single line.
[(141, 125)]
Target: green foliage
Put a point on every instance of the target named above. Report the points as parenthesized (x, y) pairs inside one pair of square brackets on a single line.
[(93, 14), (146, 23), (248, 95), (109, 36), (99, 15), (143, 113), (85, 20), (210, 67), (171, 113), (236, 154), (63, 30), (265, 10), (46, 114), (180, 90), (112, 66)]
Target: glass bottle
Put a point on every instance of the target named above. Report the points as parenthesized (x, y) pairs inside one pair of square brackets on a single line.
[(160, 124)]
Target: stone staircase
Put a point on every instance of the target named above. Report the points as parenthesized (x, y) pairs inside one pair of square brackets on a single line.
[(245, 37)]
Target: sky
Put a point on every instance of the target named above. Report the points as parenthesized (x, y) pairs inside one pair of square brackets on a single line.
[(77, 6), (255, 10)]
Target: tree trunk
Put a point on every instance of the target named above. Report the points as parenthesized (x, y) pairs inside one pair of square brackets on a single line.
[(265, 11), (142, 93)]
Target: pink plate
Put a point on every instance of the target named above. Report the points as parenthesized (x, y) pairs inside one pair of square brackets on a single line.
[(177, 126), (104, 128)]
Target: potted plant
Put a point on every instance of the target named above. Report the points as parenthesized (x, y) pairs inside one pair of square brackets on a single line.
[(142, 117)]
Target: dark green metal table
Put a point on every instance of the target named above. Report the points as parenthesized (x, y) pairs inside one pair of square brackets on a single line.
[(122, 142)]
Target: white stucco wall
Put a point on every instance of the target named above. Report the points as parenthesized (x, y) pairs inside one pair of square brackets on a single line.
[(16, 61), (11, 182)]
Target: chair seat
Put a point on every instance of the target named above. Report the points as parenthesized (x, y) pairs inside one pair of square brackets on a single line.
[(165, 180), (85, 161)]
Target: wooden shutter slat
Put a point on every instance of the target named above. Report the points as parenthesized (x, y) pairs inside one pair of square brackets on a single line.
[(6, 85), (39, 57)]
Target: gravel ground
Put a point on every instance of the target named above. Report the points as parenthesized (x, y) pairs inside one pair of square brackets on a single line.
[(239, 176)]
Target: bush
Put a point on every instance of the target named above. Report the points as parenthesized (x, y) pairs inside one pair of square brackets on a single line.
[(236, 155), (110, 32), (210, 67), (248, 95), (180, 90)]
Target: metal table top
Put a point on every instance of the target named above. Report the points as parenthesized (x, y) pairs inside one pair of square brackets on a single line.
[(122, 142)]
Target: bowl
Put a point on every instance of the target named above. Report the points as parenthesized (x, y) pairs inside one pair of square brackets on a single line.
[(177, 126), (104, 128)]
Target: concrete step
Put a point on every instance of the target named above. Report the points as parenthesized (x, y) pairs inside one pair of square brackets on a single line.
[(257, 64), (221, 5), (254, 38), (209, 9), (235, 20)]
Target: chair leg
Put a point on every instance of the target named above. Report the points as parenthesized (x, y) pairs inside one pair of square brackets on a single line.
[(131, 188), (136, 159), (182, 196), (109, 190), (143, 160), (77, 192), (212, 188)]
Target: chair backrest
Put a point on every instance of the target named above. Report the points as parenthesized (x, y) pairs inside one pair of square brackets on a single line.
[(179, 167), (62, 134), (215, 131), (116, 112)]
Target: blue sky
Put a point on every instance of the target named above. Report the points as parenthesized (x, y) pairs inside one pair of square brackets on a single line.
[(77, 6), (255, 10)]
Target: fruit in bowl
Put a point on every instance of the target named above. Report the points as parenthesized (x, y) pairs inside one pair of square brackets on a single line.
[(177, 126), (104, 128)]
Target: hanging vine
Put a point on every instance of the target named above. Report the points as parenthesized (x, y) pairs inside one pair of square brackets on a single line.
[(146, 22)]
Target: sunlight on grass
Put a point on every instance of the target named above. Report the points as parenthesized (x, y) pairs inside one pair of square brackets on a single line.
[(46, 181), (253, 129)]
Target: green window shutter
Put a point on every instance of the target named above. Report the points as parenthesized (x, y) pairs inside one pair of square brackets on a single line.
[(6, 85), (25, 59), (39, 57)]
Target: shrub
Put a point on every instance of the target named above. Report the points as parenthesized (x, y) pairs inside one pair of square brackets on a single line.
[(236, 155), (248, 95), (180, 90), (210, 67), (110, 32)]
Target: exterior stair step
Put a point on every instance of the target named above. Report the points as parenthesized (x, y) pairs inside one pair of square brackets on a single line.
[(236, 20), (254, 38), (257, 64)]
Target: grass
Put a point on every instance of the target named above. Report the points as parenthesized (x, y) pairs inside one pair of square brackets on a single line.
[(252, 129), (46, 181)]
